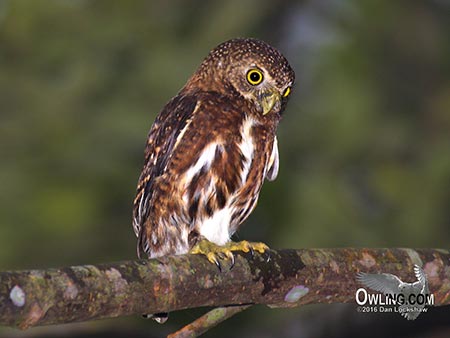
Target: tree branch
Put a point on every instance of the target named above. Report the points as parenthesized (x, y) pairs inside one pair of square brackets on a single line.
[(208, 321), (283, 278)]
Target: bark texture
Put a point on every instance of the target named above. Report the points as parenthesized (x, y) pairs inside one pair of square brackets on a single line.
[(283, 278)]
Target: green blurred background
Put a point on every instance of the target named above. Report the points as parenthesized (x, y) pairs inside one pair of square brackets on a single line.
[(364, 143)]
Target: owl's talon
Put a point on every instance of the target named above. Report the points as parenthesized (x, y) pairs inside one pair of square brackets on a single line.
[(212, 257), (252, 252), (226, 255), (216, 253), (232, 262), (219, 266)]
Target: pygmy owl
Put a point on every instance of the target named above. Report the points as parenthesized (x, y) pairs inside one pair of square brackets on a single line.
[(209, 151)]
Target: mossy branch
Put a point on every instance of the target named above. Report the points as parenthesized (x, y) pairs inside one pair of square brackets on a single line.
[(283, 278)]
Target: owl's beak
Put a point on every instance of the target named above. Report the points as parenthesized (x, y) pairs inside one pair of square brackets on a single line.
[(268, 100)]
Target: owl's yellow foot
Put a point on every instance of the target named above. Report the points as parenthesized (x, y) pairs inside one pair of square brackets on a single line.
[(215, 253), (247, 246)]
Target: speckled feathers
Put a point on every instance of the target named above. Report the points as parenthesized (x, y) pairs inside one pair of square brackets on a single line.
[(234, 52), (210, 149)]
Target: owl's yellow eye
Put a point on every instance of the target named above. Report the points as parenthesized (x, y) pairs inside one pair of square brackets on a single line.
[(286, 92), (254, 77)]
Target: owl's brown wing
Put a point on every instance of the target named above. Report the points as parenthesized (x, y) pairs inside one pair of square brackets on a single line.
[(162, 138), (205, 165)]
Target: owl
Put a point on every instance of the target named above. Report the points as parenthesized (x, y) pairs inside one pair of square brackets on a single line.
[(209, 151)]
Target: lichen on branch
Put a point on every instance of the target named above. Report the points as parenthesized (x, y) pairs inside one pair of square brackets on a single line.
[(278, 278)]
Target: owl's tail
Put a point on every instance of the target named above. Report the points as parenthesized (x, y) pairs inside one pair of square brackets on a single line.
[(160, 318)]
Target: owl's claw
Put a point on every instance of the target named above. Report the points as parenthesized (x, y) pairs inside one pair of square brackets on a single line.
[(246, 246), (215, 253), (212, 257)]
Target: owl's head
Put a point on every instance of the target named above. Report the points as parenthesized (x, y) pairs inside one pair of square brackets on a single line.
[(250, 68)]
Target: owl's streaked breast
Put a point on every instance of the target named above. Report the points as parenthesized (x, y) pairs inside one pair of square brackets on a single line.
[(210, 149)]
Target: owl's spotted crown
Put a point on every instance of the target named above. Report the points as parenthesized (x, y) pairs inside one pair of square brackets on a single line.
[(222, 59)]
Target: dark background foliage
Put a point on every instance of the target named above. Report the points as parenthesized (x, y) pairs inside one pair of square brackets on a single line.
[(364, 143)]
